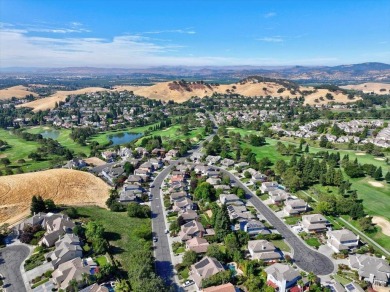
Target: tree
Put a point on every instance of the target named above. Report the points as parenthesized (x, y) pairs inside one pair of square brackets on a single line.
[(356, 210), (222, 223), (49, 205), (72, 213), (217, 279), (137, 210), (205, 191), (280, 167), (387, 176), (378, 174), (128, 167), (323, 141), (365, 223), (5, 161), (37, 205), (189, 258), (307, 148), (214, 251)]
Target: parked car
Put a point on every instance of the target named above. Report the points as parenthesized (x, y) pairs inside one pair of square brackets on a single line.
[(155, 239), (188, 283), (166, 231)]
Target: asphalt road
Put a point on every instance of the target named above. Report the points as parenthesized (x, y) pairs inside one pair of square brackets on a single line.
[(305, 257), (11, 258), (162, 254)]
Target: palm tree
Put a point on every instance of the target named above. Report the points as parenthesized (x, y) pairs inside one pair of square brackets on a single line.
[(311, 277), (122, 286), (301, 284)]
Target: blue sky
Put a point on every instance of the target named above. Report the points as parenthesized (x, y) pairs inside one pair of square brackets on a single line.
[(152, 33)]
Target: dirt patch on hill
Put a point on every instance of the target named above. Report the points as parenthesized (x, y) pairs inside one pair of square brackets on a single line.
[(376, 184), (383, 224), (15, 91), (378, 88), (95, 161), (64, 186)]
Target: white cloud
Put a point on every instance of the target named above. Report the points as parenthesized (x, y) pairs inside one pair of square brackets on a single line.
[(274, 39), (182, 31), (269, 14)]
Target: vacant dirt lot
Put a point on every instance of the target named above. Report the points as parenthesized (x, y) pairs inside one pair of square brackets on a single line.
[(64, 186), (15, 91)]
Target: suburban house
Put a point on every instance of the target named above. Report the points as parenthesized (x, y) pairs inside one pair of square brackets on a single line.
[(334, 286), (190, 230), (109, 155), (134, 179), (197, 244), (258, 177), (68, 271), (278, 196), (130, 194), (230, 199), (66, 249), (36, 219), (314, 223), (228, 287), (182, 204), (371, 269), (213, 181), (281, 277), (76, 163), (240, 213), (178, 196), (343, 239), (254, 227), (55, 225), (294, 207), (94, 288), (113, 172), (263, 250), (188, 215), (143, 173), (204, 269), (268, 186), (227, 162), (210, 159)]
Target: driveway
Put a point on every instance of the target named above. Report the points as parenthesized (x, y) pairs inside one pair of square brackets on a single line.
[(305, 257), (11, 258)]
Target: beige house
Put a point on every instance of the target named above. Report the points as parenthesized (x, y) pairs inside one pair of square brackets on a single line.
[(228, 287), (68, 271), (343, 239), (190, 230), (314, 223), (204, 269), (371, 269), (263, 250), (197, 244), (294, 207), (66, 249)]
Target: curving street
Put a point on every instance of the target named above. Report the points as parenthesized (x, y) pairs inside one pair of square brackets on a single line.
[(305, 257), (11, 258)]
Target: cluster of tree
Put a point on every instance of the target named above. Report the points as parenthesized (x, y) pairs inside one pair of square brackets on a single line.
[(32, 234), (40, 205), (256, 140), (205, 192), (112, 202), (354, 169), (286, 150), (80, 135), (94, 233), (141, 273), (221, 221), (217, 146), (151, 142), (138, 211)]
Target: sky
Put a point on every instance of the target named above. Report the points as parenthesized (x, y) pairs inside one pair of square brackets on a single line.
[(146, 33)]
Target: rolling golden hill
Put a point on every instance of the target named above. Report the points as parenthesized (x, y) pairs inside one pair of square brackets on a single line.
[(64, 186), (180, 91)]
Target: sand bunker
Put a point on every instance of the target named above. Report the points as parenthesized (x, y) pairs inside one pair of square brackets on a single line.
[(383, 224), (376, 184)]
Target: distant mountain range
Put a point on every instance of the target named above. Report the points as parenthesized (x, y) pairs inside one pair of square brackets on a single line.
[(354, 73)]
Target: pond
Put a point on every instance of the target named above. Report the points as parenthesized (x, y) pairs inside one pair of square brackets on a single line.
[(52, 134), (123, 138)]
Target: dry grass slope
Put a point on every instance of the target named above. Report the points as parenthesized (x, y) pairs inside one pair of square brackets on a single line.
[(172, 91), (64, 186), (15, 91), (370, 87)]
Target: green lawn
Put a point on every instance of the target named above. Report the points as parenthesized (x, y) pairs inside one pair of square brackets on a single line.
[(185, 273), (121, 231), (341, 280), (20, 149), (313, 241), (292, 220), (282, 245), (101, 260)]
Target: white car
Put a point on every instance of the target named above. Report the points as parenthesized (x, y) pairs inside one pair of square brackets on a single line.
[(188, 283)]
